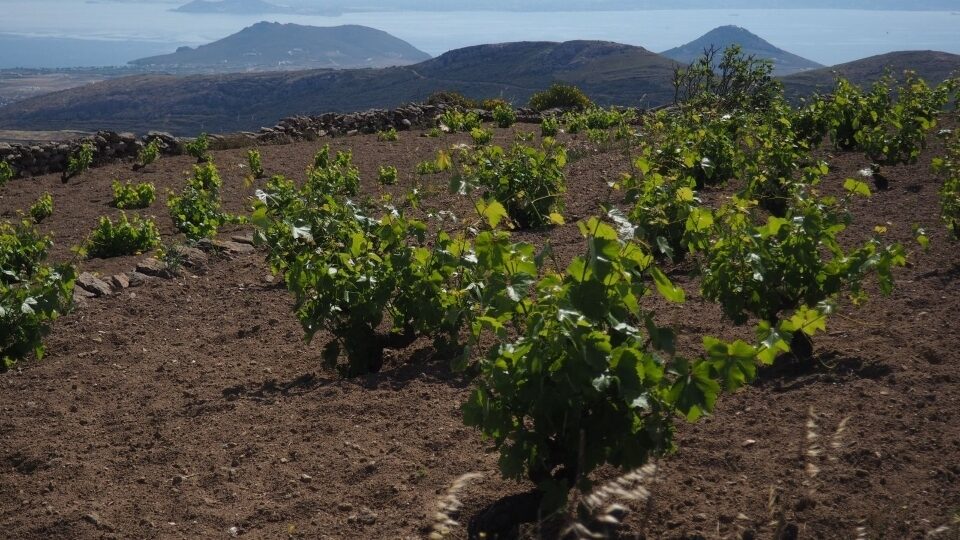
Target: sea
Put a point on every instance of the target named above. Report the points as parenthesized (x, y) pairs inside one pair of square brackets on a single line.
[(826, 36)]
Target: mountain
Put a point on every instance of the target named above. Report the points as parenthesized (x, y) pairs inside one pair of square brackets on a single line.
[(291, 46), (784, 63), (933, 66), (237, 7), (610, 73)]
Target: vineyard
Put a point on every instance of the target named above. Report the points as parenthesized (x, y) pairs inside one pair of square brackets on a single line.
[(739, 311)]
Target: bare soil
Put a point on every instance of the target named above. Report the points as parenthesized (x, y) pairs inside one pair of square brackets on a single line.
[(192, 408)]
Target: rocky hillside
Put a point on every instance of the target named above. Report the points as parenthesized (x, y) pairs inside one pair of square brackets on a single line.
[(270, 46), (933, 66), (611, 73), (784, 63)]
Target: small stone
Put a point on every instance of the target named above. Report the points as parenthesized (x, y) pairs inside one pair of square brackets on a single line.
[(137, 279), (345, 507), (242, 238), (120, 281), (306, 478), (234, 531), (153, 267), (192, 257), (749, 442), (94, 519), (94, 285)]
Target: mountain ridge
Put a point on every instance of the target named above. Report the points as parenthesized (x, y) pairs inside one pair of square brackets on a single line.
[(721, 37), (611, 73), (271, 45)]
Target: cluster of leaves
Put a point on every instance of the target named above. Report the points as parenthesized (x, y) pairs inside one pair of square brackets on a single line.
[(528, 181), (255, 162), (351, 273), (199, 148), (127, 196), (889, 123), (450, 98), (125, 237), (504, 116), (481, 136), (78, 162), (560, 96), (387, 175), (437, 165), (549, 126), (196, 212), (6, 172), (147, 155), (457, 120), (42, 209), (596, 118), (337, 176), (32, 294), (388, 135), (948, 166)]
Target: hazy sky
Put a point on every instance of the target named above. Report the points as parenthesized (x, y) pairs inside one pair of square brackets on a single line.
[(137, 28)]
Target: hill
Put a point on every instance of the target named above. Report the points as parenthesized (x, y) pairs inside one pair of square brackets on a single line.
[(268, 45), (784, 63), (932, 66), (611, 73)]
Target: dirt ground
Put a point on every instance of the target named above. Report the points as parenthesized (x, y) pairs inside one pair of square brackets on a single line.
[(192, 408)]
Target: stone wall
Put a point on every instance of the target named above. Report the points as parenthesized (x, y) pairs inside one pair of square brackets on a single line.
[(109, 147)]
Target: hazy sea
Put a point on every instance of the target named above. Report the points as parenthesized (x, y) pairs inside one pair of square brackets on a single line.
[(825, 36)]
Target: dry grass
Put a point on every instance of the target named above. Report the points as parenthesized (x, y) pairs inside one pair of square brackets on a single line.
[(448, 506)]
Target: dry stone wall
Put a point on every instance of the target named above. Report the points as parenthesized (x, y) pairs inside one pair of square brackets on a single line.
[(110, 147)]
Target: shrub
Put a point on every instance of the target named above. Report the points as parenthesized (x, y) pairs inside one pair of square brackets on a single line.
[(32, 294), (459, 121), (387, 175), (490, 104), (948, 166), (732, 82), (124, 237), (560, 96), (199, 148), (337, 176), (196, 211), (527, 181), (389, 135), (255, 163), (148, 154), (435, 133), (504, 116), (481, 136), (550, 126), (6, 172), (42, 209), (455, 99), (78, 162), (131, 196)]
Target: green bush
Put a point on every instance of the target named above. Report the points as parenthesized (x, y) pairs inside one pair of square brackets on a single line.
[(528, 181), (255, 163), (6, 172), (948, 166), (79, 161), (32, 294), (337, 176), (148, 154), (561, 96), (455, 99), (387, 175), (733, 82), (42, 209), (132, 196), (481, 136), (196, 211), (199, 148), (550, 126), (124, 237), (459, 121), (504, 116), (389, 135)]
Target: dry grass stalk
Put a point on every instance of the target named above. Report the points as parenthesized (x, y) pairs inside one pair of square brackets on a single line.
[(449, 505), (603, 504)]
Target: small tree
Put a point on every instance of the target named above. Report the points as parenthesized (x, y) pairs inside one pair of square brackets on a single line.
[(733, 81)]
